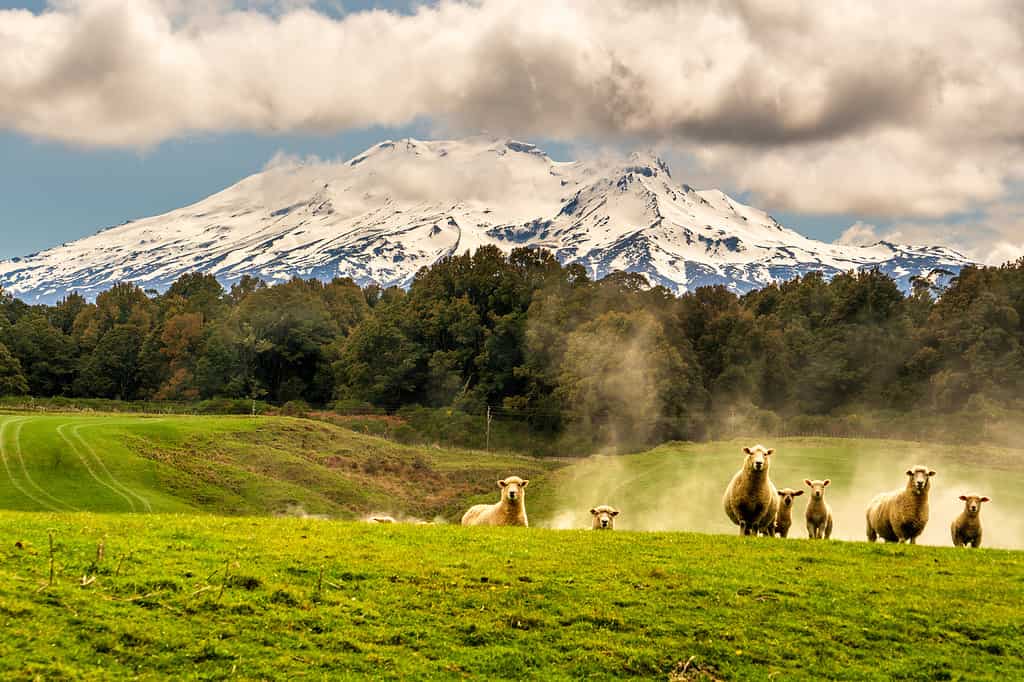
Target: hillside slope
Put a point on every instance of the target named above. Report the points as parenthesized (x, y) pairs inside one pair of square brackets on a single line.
[(233, 465), (402, 205), (209, 597)]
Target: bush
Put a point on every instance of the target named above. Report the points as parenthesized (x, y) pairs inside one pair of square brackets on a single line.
[(296, 408)]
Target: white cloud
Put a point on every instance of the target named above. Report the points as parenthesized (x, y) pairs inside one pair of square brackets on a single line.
[(994, 236), (859, 234), (885, 109)]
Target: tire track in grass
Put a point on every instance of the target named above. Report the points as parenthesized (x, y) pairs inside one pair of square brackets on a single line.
[(85, 463), (76, 431), (24, 467), (3, 455)]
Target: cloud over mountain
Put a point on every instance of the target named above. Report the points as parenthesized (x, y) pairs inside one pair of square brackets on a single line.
[(865, 106)]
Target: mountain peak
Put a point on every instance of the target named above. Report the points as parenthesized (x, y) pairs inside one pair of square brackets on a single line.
[(403, 204)]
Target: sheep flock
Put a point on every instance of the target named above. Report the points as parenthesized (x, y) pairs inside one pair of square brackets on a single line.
[(757, 507)]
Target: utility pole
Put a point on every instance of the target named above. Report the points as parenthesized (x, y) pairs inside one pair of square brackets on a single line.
[(488, 448)]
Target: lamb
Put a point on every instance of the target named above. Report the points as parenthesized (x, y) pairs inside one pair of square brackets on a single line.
[(604, 517), (818, 514), (382, 519), (966, 529), (901, 515), (784, 516), (751, 500), (509, 511)]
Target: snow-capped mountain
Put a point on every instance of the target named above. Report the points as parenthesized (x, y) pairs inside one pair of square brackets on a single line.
[(402, 205)]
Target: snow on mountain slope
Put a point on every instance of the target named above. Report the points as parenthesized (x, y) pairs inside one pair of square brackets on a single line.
[(400, 206)]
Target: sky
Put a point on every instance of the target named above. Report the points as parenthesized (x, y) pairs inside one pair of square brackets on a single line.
[(854, 120)]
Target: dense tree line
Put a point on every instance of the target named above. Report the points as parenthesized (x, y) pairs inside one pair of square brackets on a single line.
[(532, 338)]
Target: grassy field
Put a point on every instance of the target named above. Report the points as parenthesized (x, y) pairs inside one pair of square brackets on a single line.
[(215, 587), (213, 597), (679, 486), (233, 465)]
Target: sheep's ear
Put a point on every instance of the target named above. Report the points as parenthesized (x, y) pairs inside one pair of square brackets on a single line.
[(963, 498), (827, 481), (770, 451), (748, 451), (910, 472), (524, 483), (986, 499), (808, 482), (798, 493), (615, 512), (502, 484), (931, 472), (593, 512), (781, 493)]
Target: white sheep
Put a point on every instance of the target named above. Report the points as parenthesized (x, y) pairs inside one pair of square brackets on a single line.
[(382, 519), (751, 500), (509, 511), (604, 517), (966, 529), (818, 514), (784, 516), (901, 515)]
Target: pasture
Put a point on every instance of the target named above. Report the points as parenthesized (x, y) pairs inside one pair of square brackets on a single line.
[(232, 465), (212, 597), (167, 560)]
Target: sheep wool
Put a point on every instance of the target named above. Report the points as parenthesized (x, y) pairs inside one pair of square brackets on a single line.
[(509, 511), (784, 517), (751, 500), (966, 528), (818, 514), (901, 515)]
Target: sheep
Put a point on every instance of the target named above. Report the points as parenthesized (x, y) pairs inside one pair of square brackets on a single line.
[(901, 515), (604, 517), (509, 511), (784, 516), (966, 529), (818, 514), (751, 500), (382, 519)]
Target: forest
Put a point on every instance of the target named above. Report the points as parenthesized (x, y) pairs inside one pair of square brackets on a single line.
[(526, 338)]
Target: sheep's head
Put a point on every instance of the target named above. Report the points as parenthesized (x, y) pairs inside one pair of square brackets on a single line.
[(973, 503), (920, 479), (787, 495), (817, 487), (757, 457), (604, 517), (513, 489)]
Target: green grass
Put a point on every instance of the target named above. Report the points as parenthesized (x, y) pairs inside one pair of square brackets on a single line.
[(193, 593), (212, 597), (679, 486), (233, 465)]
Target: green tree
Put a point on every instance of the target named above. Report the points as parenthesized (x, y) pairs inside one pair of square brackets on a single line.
[(12, 381), (46, 354)]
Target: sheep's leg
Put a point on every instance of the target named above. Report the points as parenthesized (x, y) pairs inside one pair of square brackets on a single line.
[(743, 528), (872, 535), (828, 529)]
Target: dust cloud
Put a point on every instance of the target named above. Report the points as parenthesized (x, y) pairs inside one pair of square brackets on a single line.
[(676, 489)]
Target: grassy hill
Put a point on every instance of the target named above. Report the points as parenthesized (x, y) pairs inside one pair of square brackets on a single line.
[(210, 597), (190, 593), (233, 465), (272, 465)]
